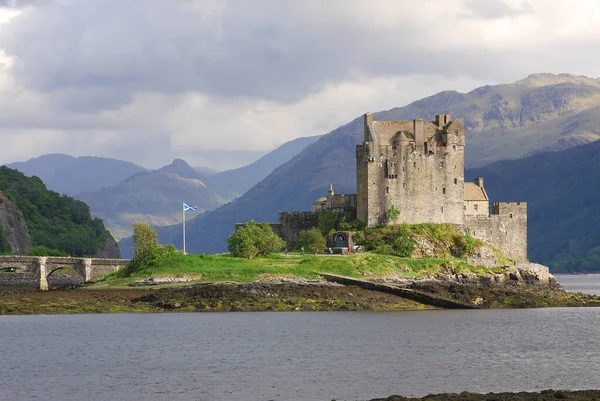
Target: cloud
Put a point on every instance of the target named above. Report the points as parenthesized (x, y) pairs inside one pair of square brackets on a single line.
[(148, 81)]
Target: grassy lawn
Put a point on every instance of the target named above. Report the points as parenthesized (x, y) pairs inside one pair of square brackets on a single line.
[(209, 268)]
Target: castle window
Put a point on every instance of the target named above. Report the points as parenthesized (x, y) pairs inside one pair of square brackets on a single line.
[(455, 133), (414, 164), (455, 181), (444, 191), (442, 209), (465, 207), (510, 215), (387, 190), (442, 164), (403, 185), (476, 207), (453, 147)]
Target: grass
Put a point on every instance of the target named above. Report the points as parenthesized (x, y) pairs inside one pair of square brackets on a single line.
[(211, 268)]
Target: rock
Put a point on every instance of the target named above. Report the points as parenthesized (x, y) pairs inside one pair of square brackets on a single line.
[(483, 256), (534, 273), (110, 250), (13, 225), (423, 247)]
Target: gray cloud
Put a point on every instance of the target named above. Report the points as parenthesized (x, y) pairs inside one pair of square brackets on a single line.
[(152, 80)]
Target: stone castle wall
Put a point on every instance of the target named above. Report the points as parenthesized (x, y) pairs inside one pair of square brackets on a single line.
[(294, 222), (505, 228), (420, 170)]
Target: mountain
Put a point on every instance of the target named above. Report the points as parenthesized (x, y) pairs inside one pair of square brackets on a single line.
[(240, 180), (563, 198), (53, 220), (154, 197), (504, 121), (72, 175)]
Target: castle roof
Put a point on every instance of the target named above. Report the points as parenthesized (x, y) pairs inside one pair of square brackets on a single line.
[(474, 192)]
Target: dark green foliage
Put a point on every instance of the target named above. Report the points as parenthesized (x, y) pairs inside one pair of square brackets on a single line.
[(389, 240), (312, 240), (334, 220), (54, 221), (41, 250), (5, 248), (254, 240)]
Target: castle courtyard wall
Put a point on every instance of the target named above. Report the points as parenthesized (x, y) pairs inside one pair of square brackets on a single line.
[(505, 228)]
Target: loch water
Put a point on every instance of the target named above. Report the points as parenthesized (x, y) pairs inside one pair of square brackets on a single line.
[(299, 356)]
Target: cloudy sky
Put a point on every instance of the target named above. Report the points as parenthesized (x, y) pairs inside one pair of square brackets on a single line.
[(219, 82)]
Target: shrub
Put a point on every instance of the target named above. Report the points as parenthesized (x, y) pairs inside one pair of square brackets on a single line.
[(312, 240), (392, 214), (252, 240), (469, 243)]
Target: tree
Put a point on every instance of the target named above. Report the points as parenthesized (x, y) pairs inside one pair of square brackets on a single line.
[(252, 240), (312, 240), (145, 242)]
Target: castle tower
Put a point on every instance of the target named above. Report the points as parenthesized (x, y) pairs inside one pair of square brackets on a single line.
[(417, 166)]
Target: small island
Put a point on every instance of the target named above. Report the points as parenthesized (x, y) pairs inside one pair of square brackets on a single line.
[(415, 236)]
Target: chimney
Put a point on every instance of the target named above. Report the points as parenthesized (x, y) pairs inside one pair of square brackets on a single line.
[(479, 182), (419, 135), (368, 122), (447, 119), (440, 120)]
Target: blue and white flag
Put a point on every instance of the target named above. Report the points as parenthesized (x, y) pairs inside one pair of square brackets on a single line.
[(187, 207)]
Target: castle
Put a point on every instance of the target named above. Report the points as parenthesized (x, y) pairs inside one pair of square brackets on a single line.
[(417, 167)]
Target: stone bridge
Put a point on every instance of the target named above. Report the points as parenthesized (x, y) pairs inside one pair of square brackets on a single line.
[(29, 271)]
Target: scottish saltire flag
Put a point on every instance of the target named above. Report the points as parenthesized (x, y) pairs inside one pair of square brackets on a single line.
[(187, 207)]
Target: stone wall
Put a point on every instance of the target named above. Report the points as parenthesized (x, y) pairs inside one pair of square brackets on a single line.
[(294, 222), (505, 228)]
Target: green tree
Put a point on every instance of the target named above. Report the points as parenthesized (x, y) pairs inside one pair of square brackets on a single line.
[(252, 240), (312, 240), (145, 242)]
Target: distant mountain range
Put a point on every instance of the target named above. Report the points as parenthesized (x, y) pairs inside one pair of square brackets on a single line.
[(155, 197), (242, 179), (71, 175), (122, 193), (539, 113)]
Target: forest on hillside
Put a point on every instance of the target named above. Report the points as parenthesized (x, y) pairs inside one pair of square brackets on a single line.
[(53, 220)]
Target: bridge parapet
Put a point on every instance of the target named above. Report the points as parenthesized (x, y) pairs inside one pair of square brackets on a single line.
[(35, 270)]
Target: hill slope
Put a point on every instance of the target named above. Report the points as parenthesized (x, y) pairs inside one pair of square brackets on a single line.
[(240, 180), (71, 175), (547, 111), (562, 195), (55, 221), (154, 197)]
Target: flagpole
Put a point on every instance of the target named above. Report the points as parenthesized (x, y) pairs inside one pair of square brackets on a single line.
[(183, 207)]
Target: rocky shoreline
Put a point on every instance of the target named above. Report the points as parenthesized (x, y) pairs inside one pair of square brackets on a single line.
[(546, 395), (291, 294)]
